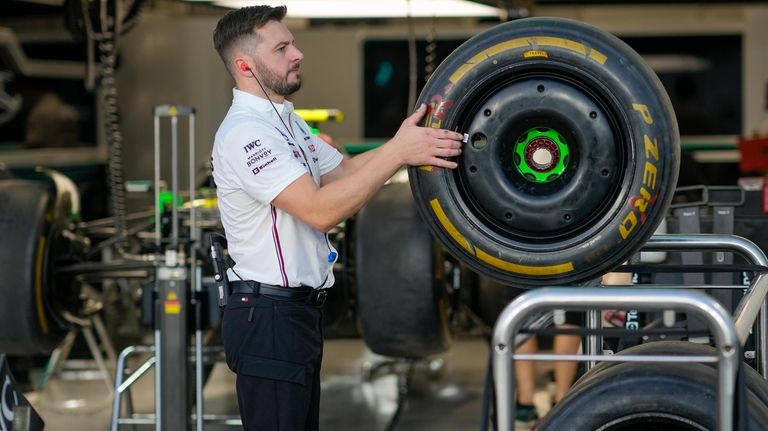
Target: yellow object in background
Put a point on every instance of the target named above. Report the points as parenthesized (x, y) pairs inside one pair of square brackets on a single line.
[(320, 115)]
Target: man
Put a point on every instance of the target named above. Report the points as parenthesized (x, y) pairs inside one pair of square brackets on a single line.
[(280, 190)]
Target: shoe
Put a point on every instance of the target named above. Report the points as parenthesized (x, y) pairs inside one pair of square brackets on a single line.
[(526, 416)]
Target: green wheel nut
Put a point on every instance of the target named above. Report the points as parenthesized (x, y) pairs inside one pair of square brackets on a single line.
[(541, 155)]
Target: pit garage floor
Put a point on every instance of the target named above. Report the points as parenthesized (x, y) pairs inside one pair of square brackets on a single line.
[(446, 400)]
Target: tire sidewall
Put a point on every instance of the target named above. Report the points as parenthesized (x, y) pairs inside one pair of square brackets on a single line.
[(28, 326)]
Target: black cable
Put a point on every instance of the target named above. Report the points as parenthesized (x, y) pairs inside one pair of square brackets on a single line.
[(403, 386), (489, 414), (288, 129)]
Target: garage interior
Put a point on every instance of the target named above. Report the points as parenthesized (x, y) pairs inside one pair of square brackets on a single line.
[(647, 225)]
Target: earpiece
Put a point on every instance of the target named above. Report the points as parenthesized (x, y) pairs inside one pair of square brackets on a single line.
[(244, 67)]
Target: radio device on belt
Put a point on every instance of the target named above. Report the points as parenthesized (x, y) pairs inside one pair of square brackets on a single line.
[(219, 269)]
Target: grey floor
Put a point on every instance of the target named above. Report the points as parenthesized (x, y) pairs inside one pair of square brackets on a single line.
[(445, 398)]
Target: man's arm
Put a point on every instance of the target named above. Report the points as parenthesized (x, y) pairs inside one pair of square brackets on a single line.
[(350, 165), (348, 187)]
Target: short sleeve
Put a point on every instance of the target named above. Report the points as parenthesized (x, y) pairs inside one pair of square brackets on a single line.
[(329, 157), (261, 161)]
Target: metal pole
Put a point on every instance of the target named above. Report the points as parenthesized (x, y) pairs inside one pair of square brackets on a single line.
[(157, 182), (122, 385), (192, 209), (195, 278), (594, 344), (158, 370), (174, 182), (175, 283), (198, 359), (119, 370)]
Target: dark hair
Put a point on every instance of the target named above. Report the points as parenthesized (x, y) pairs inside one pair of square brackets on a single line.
[(241, 23)]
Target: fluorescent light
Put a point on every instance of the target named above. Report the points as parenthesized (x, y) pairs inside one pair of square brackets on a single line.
[(372, 8)]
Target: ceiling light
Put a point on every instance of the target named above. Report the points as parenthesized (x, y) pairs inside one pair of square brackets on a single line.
[(372, 8)]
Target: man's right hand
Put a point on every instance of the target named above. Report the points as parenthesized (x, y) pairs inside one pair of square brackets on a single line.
[(419, 146)]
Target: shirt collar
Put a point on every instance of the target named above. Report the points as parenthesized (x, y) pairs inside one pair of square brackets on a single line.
[(257, 103)]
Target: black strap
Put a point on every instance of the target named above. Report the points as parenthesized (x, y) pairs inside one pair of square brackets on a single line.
[(689, 222), (256, 288), (688, 219), (722, 223)]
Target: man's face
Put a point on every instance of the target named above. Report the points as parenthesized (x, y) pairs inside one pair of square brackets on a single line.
[(277, 59)]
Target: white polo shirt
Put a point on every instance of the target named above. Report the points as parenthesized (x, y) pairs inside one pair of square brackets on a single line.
[(254, 159)]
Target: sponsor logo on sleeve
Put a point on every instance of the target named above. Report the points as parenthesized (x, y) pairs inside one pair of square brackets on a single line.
[(259, 156), (251, 146), (259, 168)]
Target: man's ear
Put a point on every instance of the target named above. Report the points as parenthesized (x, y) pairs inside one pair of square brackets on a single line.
[(242, 66)]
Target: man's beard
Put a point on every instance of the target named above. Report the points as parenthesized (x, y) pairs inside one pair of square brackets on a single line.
[(277, 84)]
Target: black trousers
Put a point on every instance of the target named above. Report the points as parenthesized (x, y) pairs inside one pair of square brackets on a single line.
[(276, 347)]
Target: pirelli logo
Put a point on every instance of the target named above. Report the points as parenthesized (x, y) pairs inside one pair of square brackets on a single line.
[(535, 53)]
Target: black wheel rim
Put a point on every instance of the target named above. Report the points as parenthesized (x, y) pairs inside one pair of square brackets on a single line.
[(524, 109)]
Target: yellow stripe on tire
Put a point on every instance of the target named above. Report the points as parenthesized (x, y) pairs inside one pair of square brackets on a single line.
[(494, 261)]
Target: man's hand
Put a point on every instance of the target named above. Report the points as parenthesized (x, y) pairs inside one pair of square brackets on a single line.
[(418, 146)]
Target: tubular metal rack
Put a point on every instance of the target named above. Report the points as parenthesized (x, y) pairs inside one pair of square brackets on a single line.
[(729, 332)]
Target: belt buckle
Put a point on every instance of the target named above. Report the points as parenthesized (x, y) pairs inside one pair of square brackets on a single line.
[(319, 297)]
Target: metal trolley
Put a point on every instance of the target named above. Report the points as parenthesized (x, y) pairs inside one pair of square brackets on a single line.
[(729, 332)]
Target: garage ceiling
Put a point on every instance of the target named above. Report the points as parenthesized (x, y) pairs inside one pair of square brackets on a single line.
[(371, 8), (513, 3)]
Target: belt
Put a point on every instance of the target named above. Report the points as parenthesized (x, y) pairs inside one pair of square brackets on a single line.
[(256, 288)]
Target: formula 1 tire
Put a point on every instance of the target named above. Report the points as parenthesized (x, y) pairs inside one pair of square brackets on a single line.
[(571, 158), (667, 396), (27, 326), (401, 297)]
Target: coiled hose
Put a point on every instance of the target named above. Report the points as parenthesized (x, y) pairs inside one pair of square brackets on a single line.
[(114, 138)]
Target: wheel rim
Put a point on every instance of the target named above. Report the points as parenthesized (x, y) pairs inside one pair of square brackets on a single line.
[(533, 173)]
